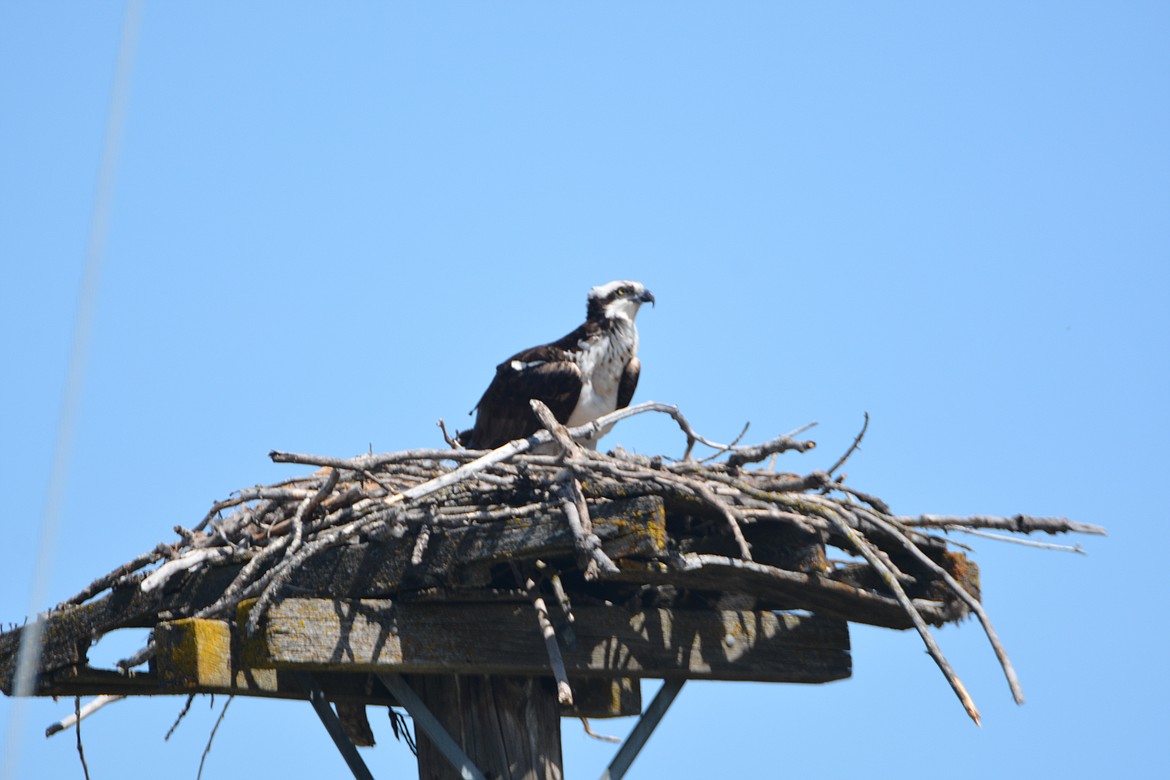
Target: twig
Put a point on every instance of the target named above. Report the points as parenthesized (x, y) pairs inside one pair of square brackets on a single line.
[(873, 501), (287, 546), (603, 737), (190, 560), (77, 716), (80, 748), (1020, 524), (307, 507), (264, 586), (452, 441), (246, 495), (732, 516), (795, 582), (1072, 548), (178, 720), (572, 499), (211, 737), (966, 597), (648, 406), (558, 432), (245, 581), (741, 456), (420, 545), (807, 426), (102, 583), (730, 446), (373, 462), (556, 662), (139, 658), (568, 633), (853, 447), (577, 516), (867, 550), (791, 435)]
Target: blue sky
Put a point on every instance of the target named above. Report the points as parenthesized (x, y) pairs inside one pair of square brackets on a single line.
[(326, 226)]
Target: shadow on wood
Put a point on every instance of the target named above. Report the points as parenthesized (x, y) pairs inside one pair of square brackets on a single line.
[(509, 726)]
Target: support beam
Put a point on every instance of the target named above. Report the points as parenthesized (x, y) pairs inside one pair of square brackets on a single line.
[(426, 720), (333, 726), (642, 730)]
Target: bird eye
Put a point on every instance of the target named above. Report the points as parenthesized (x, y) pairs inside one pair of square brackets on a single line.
[(620, 292)]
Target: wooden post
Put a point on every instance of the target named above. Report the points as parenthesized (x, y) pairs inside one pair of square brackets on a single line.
[(509, 726)]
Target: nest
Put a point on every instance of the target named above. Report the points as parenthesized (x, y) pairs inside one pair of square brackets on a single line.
[(546, 513)]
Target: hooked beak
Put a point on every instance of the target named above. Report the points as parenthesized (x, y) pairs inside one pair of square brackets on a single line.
[(647, 297)]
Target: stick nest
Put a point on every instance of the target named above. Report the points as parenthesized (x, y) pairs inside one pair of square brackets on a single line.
[(769, 539)]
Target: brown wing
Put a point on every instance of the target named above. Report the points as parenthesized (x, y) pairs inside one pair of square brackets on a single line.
[(629, 382), (504, 413)]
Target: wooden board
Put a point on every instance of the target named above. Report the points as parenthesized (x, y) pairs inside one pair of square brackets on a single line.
[(463, 556), (203, 656), (380, 635)]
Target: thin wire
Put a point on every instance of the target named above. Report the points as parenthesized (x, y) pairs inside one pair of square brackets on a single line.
[(28, 655)]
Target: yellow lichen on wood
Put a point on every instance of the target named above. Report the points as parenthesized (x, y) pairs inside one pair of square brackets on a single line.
[(197, 652)]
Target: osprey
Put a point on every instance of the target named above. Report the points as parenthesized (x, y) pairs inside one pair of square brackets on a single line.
[(590, 372)]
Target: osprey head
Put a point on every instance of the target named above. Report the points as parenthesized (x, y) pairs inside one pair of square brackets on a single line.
[(617, 300)]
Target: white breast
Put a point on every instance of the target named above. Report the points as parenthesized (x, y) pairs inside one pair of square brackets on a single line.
[(602, 360)]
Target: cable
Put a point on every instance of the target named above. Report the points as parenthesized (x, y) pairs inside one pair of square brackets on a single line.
[(30, 645)]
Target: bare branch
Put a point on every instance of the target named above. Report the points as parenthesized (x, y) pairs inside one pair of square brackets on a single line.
[(1020, 524), (556, 662), (867, 550), (741, 456), (968, 599), (179, 719), (452, 441), (80, 714), (138, 659), (211, 737), (77, 729), (577, 515), (1072, 548), (852, 447), (600, 737), (730, 446)]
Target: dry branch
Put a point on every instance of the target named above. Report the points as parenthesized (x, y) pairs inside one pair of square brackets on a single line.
[(564, 691), (1019, 524), (81, 713)]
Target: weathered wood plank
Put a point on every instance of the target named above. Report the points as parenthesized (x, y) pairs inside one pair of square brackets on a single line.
[(378, 635), (198, 656), (87, 681), (464, 556), (355, 723)]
